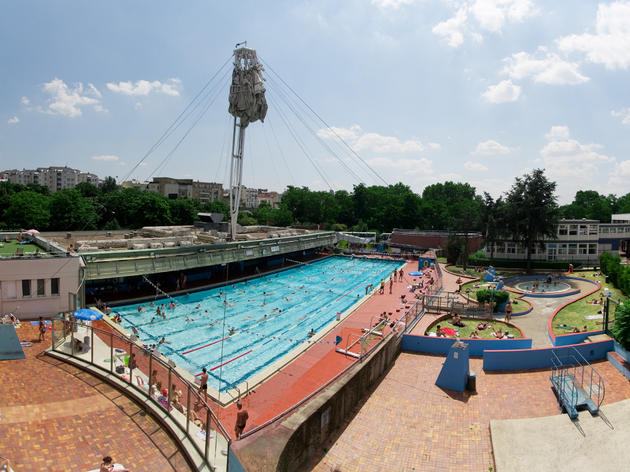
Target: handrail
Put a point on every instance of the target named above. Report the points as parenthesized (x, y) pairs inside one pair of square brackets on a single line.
[(152, 360)]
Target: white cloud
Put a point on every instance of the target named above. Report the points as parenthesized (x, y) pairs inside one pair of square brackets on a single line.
[(610, 45), (474, 166), (452, 30), (107, 157), (25, 101), (144, 87), (359, 140), (491, 148), (620, 176), (624, 114), (504, 91), (558, 132), (13, 120), (569, 160), (421, 165), (435, 146), (493, 14), (547, 68), (67, 101), (395, 4), (489, 15)]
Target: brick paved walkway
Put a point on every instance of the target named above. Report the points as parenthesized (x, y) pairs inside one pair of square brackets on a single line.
[(54, 417), (408, 423)]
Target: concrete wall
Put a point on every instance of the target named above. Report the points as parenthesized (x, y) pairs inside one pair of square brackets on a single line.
[(540, 358), (13, 271), (287, 444), (433, 345)]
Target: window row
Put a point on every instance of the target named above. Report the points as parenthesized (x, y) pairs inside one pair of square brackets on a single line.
[(575, 230), (27, 288)]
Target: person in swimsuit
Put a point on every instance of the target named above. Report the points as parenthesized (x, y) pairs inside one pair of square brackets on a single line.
[(203, 388), (241, 420)]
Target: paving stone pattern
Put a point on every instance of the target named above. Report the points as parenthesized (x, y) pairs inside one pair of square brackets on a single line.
[(55, 417)]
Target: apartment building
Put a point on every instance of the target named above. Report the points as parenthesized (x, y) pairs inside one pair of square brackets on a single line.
[(55, 178)]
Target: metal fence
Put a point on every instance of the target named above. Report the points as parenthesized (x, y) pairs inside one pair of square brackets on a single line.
[(153, 378)]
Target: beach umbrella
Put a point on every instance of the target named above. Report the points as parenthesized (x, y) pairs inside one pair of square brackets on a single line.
[(416, 274), (32, 231), (87, 314)]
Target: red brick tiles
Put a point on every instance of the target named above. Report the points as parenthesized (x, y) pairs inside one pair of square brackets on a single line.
[(408, 423), (54, 417)]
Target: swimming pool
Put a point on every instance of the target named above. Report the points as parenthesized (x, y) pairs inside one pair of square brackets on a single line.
[(270, 316)]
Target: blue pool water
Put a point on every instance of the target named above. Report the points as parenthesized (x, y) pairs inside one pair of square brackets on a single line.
[(270, 315)]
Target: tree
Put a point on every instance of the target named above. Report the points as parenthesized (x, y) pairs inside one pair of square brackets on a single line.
[(217, 206), (70, 211), (532, 211), (109, 185), (621, 328), (27, 209), (492, 221), (183, 211), (86, 189)]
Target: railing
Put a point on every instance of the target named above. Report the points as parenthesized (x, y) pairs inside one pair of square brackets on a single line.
[(153, 378), (576, 381)]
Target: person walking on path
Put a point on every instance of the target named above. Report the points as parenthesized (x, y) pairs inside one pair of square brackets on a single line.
[(508, 311), (400, 274), (391, 284), (42, 329), (241, 420)]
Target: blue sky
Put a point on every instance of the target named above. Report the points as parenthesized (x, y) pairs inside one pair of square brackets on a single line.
[(424, 91)]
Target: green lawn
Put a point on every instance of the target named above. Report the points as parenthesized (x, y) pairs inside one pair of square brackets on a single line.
[(8, 249), (471, 325), (573, 315)]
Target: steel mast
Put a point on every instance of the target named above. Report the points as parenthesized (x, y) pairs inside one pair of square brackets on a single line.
[(247, 104)]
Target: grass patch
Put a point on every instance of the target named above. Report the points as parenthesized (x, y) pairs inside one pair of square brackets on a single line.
[(573, 315), (9, 249), (471, 325)]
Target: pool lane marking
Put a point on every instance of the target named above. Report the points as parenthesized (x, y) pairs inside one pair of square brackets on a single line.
[(201, 347), (226, 362)]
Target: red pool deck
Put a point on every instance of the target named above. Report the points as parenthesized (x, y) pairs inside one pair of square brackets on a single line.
[(320, 363), (57, 418)]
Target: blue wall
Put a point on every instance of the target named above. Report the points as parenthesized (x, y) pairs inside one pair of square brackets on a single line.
[(434, 345), (539, 358), (574, 338)]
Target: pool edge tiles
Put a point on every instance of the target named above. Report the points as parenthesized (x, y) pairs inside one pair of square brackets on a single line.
[(275, 357)]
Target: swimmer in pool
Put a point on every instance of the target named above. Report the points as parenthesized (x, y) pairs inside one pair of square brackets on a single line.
[(231, 331)]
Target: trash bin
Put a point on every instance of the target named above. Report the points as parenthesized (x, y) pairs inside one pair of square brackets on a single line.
[(471, 383)]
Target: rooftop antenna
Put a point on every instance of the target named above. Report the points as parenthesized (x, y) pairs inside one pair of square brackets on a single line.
[(247, 104)]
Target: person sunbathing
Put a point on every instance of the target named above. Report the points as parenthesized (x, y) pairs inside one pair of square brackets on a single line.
[(457, 321), (482, 326), (440, 332), (474, 335), (498, 334)]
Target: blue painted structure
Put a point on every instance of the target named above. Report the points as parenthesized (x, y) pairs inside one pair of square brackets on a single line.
[(573, 338), (455, 369), (10, 347), (539, 358), (476, 347), (424, 262), (234, 464)]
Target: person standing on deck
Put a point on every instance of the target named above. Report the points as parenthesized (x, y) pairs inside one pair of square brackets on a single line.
[(241, 420), (382, 289), (391, 284)]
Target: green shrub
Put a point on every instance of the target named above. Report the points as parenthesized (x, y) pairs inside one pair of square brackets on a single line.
[(621, 328), (496, 296)]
